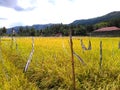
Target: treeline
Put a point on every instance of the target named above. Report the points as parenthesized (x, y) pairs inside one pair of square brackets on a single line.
[(52, 30), (56, 30), (112, 22), (62, 29)]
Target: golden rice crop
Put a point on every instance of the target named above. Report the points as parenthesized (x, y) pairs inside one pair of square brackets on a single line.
[(50, 67)]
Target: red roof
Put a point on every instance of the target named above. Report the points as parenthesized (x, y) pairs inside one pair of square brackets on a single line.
[(107, 29)]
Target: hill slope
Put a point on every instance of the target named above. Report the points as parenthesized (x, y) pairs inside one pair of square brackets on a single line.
[(112, 15)]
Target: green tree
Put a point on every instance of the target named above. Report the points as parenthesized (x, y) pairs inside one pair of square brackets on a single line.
[(32, 32), (4, 30), (0, 31), (21, 29), (101, 24)]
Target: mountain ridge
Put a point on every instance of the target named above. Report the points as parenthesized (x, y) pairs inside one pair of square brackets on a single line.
[(35, 26), (91, 21), (111, 15)]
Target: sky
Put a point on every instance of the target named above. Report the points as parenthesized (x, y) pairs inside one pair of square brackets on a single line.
[(29, 12)]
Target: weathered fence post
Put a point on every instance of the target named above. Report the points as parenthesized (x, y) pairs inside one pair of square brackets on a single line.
[(81, 60), (16, 45), (12, 38), (11, 46), (83, 46), (119, 45), (0, 39), (89, 46), (30, 56), (100, 54), (72, 60)]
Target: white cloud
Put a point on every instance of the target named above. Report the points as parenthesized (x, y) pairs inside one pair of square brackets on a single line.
[(55, 11), (14, 4), (27, 4)]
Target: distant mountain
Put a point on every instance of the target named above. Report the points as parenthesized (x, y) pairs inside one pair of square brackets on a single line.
[(112, 15), (41, 26), (92, 21), (36, 27)]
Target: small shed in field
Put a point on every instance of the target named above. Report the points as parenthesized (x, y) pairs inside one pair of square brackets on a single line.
[(107, 31)]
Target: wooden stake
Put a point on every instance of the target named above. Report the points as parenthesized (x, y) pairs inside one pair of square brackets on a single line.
[(72, 60), (0, 40), (30, 57), (119, 45), (100, 54), (89, 47), (11, 46), (81, 60)]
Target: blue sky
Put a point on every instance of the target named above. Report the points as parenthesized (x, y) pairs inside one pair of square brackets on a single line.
[(29, 12)]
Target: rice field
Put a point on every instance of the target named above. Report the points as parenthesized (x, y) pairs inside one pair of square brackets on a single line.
[(50, 67)]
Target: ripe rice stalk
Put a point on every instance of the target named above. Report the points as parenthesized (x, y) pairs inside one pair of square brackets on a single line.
[(13, 42), (30, 56), (64, 48), (4, 70), (113, 53)]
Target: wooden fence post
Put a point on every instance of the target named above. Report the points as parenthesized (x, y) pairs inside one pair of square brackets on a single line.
[(72, 60), (30, 57), (89, 46), (119, 45), (11, 46), (16, 44), (100, 54), (0, 39)]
